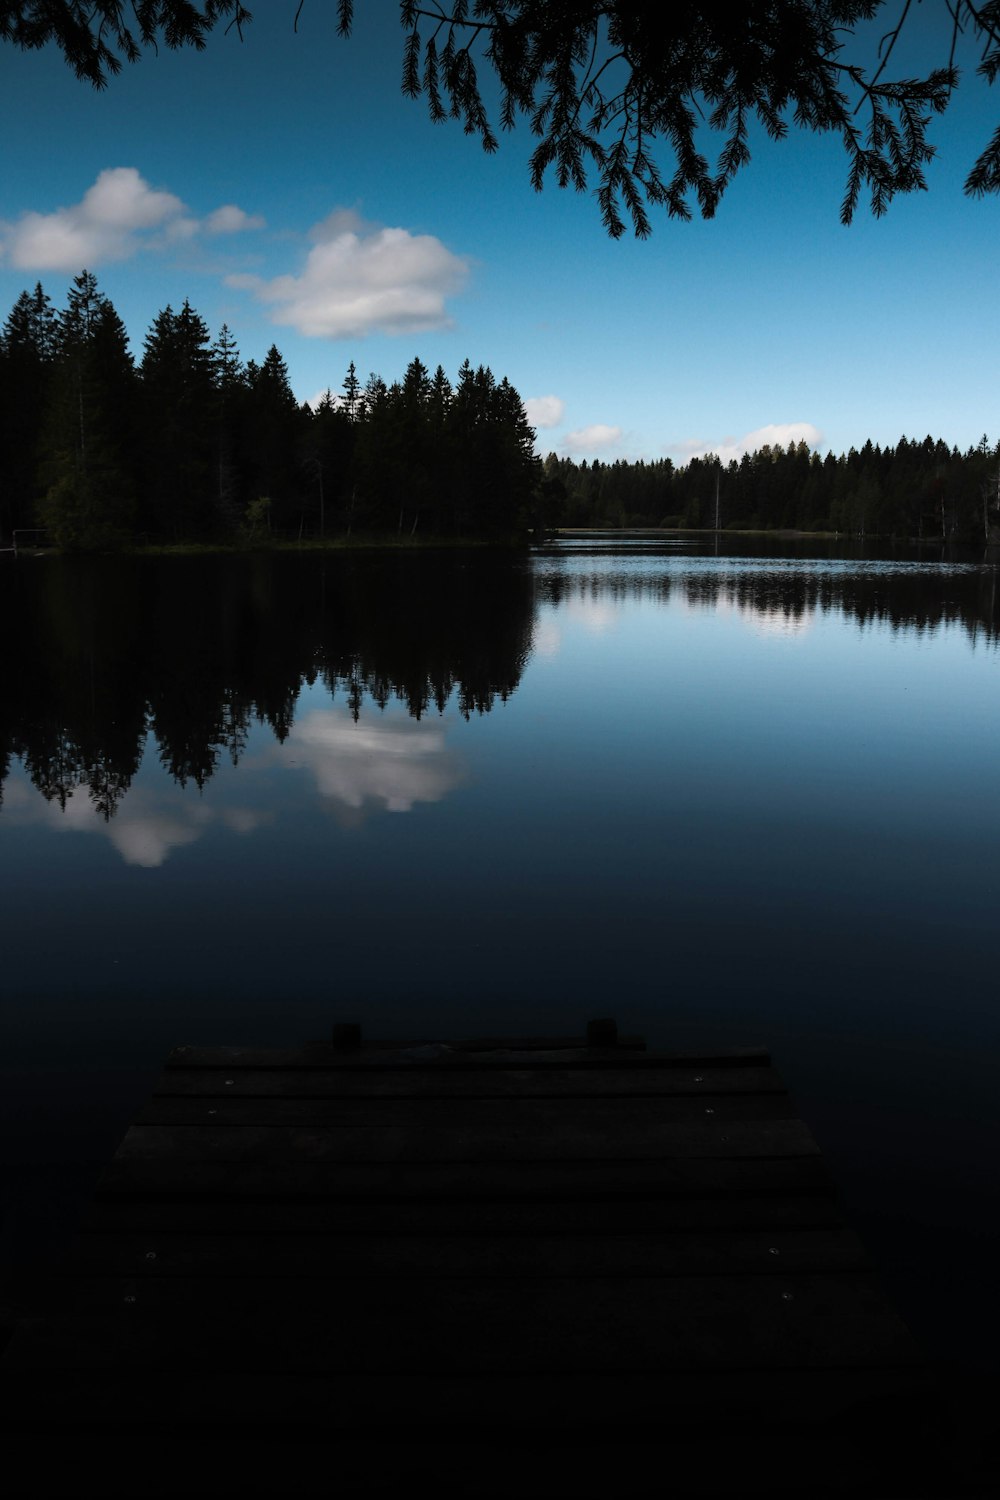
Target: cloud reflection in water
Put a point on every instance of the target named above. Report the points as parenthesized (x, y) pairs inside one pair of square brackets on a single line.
[(393, 762), (146, 827), (389, 766)]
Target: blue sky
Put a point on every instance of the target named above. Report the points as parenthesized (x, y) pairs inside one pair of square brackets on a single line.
[(285, 187)]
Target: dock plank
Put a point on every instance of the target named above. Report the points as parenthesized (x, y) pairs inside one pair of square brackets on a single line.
[(776, 1252), (492, 1324), (538, 1115), (648, 1214), (567, 1138), (757, 1413), (518, 1234), (466, 1180), (512, 1082), (443, 1056)]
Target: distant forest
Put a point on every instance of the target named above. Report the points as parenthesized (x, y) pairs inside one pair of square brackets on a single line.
[(194, 444), (915, 489)]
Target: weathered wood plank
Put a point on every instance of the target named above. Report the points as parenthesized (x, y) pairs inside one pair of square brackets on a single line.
[(436, 1055), (540, 1116), (414, 1050), (338, 1255), (454, 1324), (517, 1232), (491, 1043), (228, 1401), (528, 1180), (460, 1216), (457, 1083), (466, 1141)]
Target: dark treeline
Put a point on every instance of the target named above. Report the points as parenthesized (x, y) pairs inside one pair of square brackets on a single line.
[(897, 595), (193, 444), (916, 489), (196, 650)]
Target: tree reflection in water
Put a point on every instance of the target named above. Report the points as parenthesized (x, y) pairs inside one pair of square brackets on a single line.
[(195, 651)]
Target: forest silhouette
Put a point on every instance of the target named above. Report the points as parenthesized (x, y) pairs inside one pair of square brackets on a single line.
[(195, 651), (190, 653), (194, 444)]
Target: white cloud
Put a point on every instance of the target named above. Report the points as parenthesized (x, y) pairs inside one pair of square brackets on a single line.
[(119, 215), (592, 439), (144, 830), (544, 411), (361, 279), (394, 762), (388, 765), (773, 434), (148, 841), (340, 221), (232, 220)]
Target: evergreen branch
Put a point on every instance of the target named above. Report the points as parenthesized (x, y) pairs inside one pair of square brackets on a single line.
[(985, 175), (893, 39), (411, 66)]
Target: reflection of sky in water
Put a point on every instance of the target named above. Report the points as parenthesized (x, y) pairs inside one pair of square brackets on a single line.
[(601, 616), (385, 762), (746, 817), (146, 828)]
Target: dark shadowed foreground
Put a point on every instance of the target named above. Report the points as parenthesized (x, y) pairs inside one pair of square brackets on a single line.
[(572, 1249)]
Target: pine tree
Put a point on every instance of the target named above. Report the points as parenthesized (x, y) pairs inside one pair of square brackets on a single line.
[(353, 400), (230, 385), (90, 498), (271, 440), (27, 350), (178, 397)]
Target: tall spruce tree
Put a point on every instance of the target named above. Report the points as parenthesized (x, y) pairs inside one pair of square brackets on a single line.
[(230, 386), (271, 441), (27, 351), (89, 500), (178, 400)]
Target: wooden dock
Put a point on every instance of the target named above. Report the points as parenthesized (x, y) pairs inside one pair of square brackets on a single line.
[(515, 1243)]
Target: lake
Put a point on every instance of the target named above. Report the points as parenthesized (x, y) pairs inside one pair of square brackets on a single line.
[(730, 792)]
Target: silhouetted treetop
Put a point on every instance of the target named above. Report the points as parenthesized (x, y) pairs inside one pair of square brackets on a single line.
[(95, 36), (621, 92)]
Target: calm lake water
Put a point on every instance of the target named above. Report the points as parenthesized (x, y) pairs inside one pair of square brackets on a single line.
[(728, 799)]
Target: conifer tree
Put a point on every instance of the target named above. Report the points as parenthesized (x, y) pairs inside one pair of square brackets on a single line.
[(178, 391), (271, 439), (229, 381), (27, 350), (90, 498), (353, 398)]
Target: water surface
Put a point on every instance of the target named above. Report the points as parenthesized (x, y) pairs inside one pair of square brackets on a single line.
[(728, 799)]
